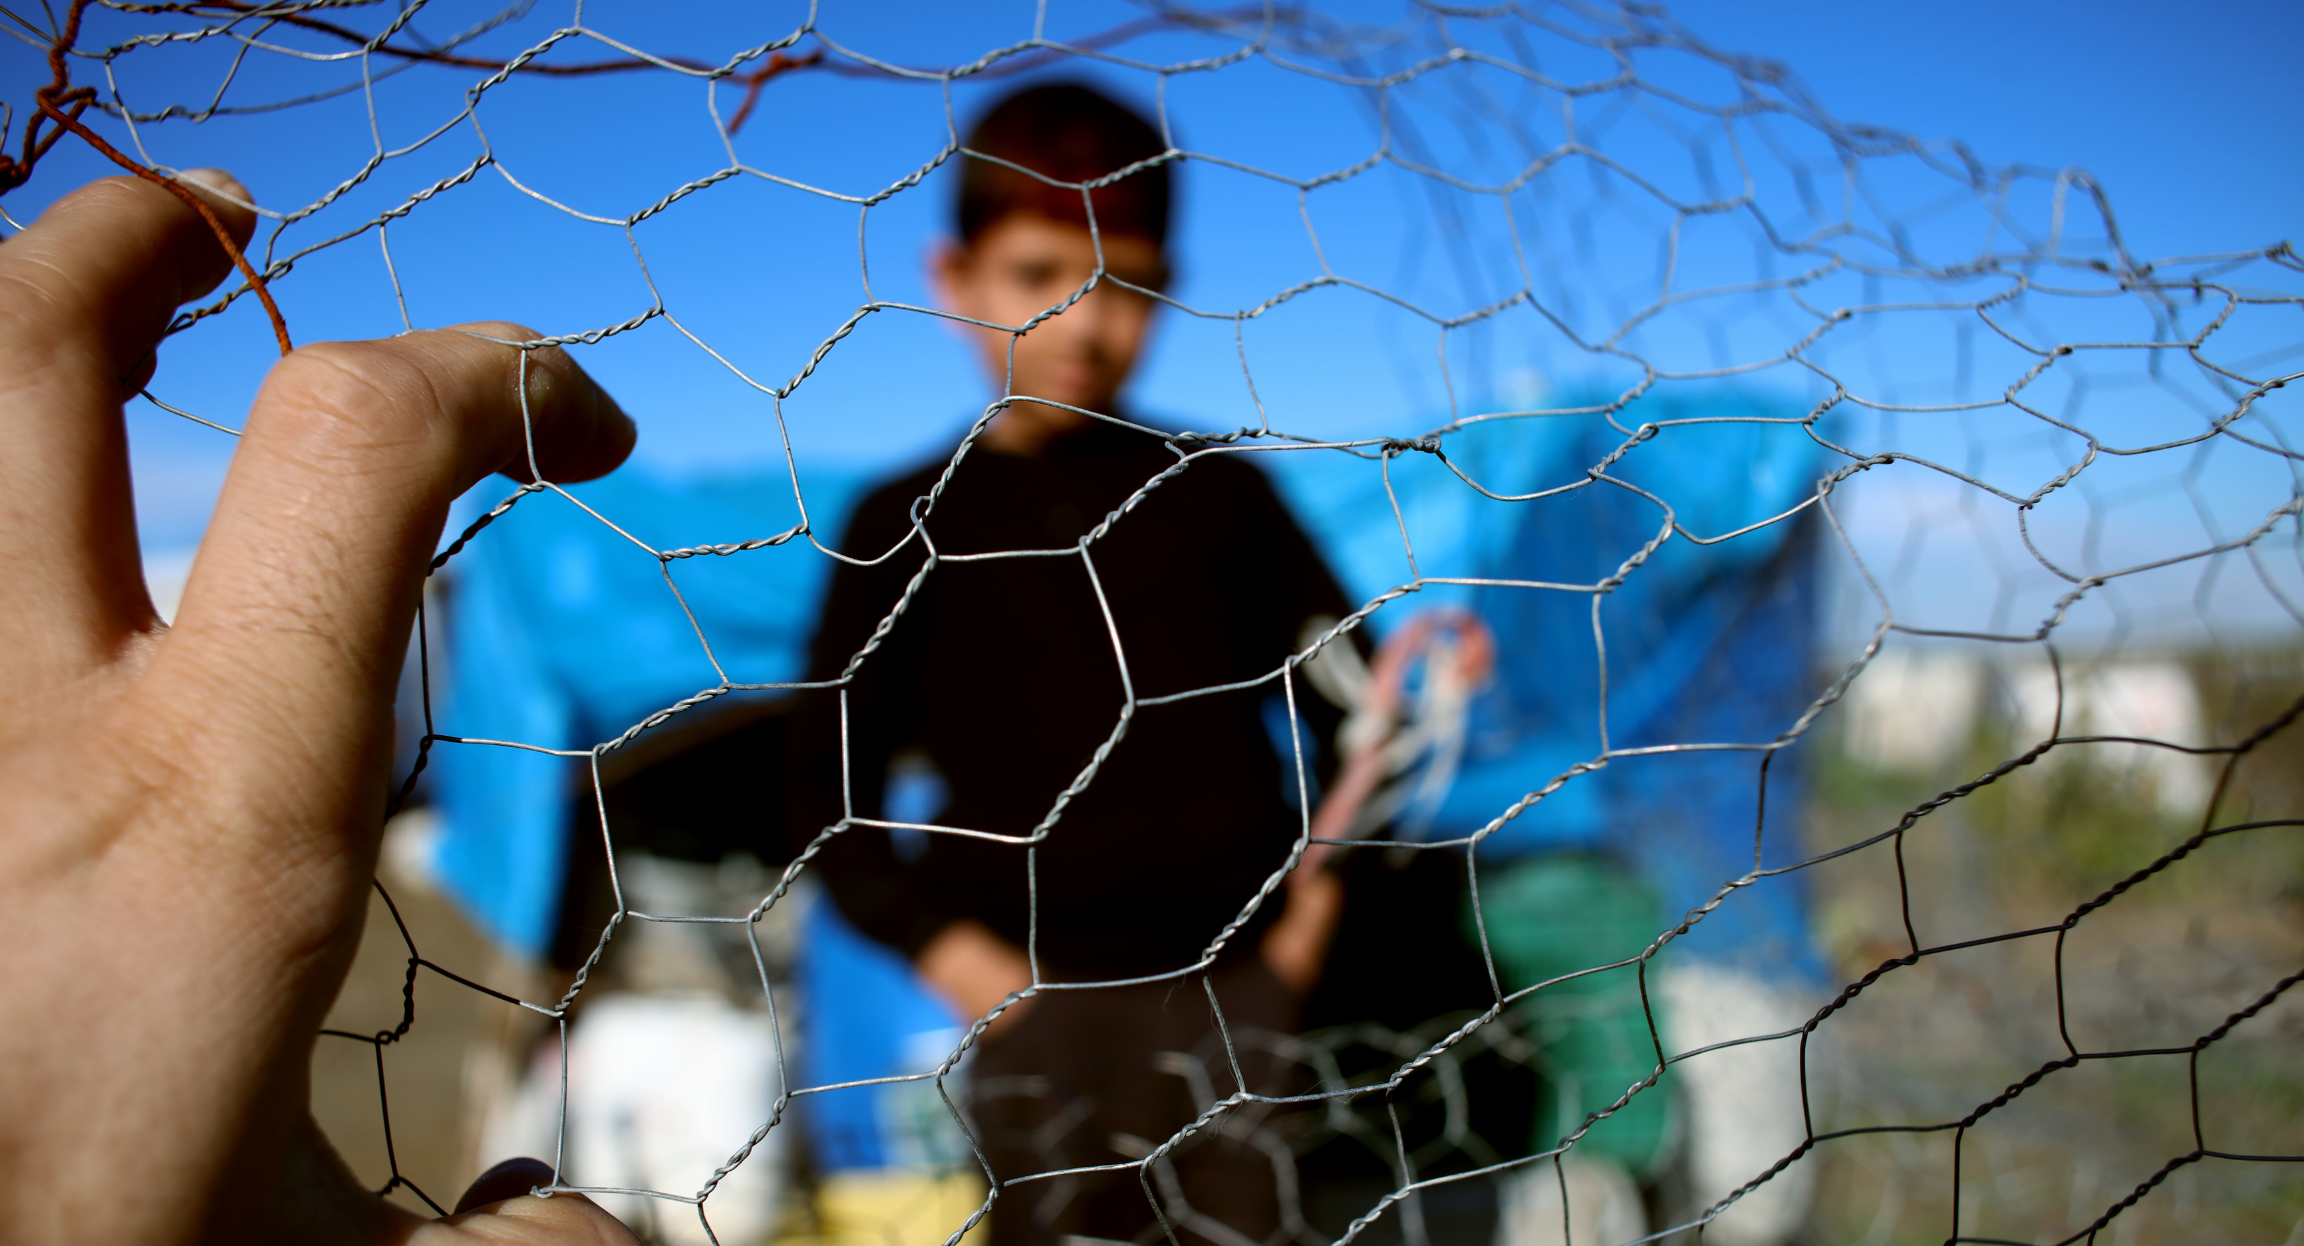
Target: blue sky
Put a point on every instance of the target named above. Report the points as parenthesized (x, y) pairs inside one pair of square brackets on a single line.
[(2184, 111), (2184, 115)]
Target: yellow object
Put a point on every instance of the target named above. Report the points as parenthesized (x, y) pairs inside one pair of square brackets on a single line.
[(894, 1207)]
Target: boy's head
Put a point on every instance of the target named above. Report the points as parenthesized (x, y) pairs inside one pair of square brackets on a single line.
[(1024, 245)]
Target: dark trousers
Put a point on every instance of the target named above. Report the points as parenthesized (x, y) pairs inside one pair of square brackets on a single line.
[(1108, 1076)]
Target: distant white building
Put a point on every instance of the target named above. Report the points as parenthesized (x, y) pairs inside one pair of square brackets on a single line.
[(1916, 710)]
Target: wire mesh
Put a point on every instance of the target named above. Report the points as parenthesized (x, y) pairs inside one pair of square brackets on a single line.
[(2051, 843)]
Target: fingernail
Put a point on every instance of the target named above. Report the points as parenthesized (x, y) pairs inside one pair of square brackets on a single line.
[(510, 1179), (217, 180)]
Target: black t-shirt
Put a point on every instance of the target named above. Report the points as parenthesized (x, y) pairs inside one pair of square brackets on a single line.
[(1005, 674)]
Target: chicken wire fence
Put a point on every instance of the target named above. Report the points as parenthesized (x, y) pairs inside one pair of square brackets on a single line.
[(1485, 265)]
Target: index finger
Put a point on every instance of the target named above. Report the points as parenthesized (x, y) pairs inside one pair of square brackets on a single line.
[(84, 296), (296, 616)]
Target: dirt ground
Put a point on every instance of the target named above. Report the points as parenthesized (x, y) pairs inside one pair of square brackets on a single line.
[(2172, 958), (429, 1072)]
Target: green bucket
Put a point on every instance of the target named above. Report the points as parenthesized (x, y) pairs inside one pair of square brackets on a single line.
[(1553, 915)]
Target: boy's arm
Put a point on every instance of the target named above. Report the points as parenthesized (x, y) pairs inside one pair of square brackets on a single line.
[(1293, 587), (833, 766), (881, 894), (1290, 586)]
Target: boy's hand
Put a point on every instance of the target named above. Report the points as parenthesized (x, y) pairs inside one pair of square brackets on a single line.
[(974, 970), (1296, 946), (189, 816)]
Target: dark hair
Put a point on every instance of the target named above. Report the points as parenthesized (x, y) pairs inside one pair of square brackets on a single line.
[(1070, 133)]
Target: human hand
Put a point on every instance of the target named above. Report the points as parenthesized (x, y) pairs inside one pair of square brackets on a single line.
[(189, 816), (975, 971), (1296, 946)]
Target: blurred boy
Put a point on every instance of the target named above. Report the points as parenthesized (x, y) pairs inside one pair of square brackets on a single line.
[(1003, 675)]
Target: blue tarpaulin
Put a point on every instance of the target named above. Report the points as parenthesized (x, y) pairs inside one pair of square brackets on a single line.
[(564, 632), (1705, 644)]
